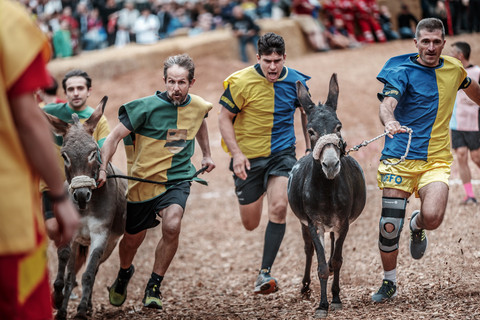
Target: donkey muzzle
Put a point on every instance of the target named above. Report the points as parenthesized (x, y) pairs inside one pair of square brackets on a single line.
[(81, 189)]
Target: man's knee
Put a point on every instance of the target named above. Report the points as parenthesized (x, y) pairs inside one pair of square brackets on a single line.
[(391, 223), (430, 220)]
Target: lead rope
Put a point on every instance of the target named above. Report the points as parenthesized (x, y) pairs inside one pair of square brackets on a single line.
[(367, 142)]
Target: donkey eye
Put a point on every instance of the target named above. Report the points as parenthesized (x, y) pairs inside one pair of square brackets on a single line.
[(92, 156), (311, 132), (66, 159), (338, 128)]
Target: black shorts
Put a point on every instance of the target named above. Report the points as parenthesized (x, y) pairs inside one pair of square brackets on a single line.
[(278, 164), (469, 139), (143, 215)]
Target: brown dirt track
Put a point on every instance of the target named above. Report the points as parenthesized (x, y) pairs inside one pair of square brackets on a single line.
[(215, 267)]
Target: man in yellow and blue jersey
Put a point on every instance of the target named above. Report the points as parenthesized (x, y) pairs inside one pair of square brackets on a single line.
[(256, 123), (419, 93), (159, 134)]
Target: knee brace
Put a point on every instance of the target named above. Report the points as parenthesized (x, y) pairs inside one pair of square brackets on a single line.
[(393, 212)]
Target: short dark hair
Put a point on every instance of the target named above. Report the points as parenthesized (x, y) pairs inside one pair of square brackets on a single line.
[(76, 73), (182, 60), (271, 43), (430, 24), (463, 47)]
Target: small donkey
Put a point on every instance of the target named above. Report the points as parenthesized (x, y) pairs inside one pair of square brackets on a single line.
[(326, 191), (102, 211)]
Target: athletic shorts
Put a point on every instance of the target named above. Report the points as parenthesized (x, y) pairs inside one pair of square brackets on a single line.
[(143, 215), (24, 286), (412, 175), (252, 188), (469, 139)]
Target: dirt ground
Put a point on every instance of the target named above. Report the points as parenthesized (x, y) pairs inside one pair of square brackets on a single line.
[(212, 274)]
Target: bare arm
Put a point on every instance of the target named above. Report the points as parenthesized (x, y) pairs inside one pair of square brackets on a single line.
[(473, 92), (36, 138), (202, 138), (387, 107), (240, 162), (109, 148), (303, 115)]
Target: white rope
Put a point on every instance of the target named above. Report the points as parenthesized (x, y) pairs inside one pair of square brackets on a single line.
[(323, 141), (82, 182), (402, 158)]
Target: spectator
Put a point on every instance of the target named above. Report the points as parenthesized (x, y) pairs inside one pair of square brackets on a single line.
[(474, 16), (81, 15), (146, 27), (367, 17), (73, 27), (62, 42), (125, 23), (108, 15), (96, 36), (406, 23), (303, 12), (385, 19), (245, 30), (338, 36)]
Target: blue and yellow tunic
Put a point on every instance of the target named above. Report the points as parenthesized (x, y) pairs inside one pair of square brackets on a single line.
[(264, 110), (162, 141), (426, 96)]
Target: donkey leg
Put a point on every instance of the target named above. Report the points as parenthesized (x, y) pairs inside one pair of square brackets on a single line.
[(63, 254), (88, 279), (336, 263), (306, 291), (323, 273), (69, 283)]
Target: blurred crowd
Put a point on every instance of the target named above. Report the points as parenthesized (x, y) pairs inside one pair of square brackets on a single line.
[(81, 25)]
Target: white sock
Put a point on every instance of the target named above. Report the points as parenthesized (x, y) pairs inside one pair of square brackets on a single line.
[(391, 275), (413, 223)]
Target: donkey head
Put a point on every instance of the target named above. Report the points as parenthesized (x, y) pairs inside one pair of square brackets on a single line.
[(80, 153), (324, 128)]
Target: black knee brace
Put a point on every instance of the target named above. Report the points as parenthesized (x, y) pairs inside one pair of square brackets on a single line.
[(393, 212)]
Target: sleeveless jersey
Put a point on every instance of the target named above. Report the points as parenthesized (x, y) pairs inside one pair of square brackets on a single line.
[(161, 143)]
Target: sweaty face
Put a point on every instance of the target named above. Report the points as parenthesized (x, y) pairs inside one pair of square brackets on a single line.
[(271, 65), (77, 93), (177, 84), (430, 46)]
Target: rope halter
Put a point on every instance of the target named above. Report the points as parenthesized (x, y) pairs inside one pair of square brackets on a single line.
[(82, 182), (331, 138)]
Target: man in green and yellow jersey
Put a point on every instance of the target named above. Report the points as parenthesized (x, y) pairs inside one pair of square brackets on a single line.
[(159, 134)]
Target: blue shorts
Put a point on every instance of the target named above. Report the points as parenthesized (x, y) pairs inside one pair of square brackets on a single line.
[(252, 188), (143, 215)]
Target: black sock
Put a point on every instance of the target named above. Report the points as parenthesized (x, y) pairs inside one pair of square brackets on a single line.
[(273, 238), (155, 279), (125, 273)]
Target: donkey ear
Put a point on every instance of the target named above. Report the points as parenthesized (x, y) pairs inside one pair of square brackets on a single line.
[(91, 123), (333, 92), (59, 127), (304, 98)]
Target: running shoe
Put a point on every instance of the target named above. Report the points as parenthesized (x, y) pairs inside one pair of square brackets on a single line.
[(387, 291), (153, 296), (265, 283), (117, 293), (418, 240)]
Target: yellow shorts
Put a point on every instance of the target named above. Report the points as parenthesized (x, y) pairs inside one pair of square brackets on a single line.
[(411, 175)]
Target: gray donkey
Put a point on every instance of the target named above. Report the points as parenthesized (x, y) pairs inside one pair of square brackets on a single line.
[(102, 211), (326, 191)]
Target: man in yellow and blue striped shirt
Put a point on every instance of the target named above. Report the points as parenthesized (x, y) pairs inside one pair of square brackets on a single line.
[(256, 123)]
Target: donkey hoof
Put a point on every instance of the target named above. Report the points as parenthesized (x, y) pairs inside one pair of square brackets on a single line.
[(336, 306), (320, 314)]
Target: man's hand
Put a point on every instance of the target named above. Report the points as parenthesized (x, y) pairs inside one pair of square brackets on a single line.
[(208, 162), (240, 165), (68, 221), (102, 177), (393, 127)]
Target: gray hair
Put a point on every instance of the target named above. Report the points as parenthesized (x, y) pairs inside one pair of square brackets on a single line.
[(182, 60), (430, 24)]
